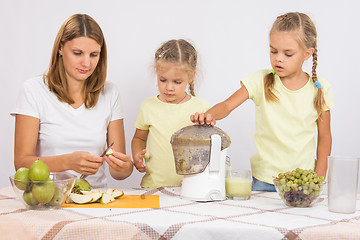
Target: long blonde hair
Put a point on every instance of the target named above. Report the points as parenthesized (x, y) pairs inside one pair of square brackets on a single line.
[(304, 26), (78, 25), (179, 51)]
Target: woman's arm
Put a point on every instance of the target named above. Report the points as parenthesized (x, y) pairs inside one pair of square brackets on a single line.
[(26, 137), (138, 145), (223, 109), (324, 143), (120, 164)]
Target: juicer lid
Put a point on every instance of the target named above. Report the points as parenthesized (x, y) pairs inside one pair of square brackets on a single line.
[(199, 134)]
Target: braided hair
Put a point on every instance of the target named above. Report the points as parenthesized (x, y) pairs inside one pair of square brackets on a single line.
[(301, 23)]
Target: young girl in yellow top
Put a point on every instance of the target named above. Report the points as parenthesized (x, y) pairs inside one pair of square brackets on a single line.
[(290, 105), (162, 115)]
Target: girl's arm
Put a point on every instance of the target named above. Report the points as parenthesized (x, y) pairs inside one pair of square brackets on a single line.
[(138, 145), (26, 137), (324, 143), (223, 109), (120, 164)]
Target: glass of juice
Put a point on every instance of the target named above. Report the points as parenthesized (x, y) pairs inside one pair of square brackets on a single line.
[(238, 184)]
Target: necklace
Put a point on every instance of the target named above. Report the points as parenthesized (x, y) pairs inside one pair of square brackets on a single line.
[(180, 100)]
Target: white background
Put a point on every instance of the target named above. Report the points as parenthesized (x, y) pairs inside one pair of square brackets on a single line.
[(231, 38)]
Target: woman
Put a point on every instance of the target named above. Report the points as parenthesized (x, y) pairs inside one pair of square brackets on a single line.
[(67, 117)]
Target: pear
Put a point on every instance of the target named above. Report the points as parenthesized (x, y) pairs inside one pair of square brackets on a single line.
[(39, 171), (81, 185), (21, 178), (80, 199), (109, 152), (57, 198), (106, 198), (96, 196), (44, 192), (29, 199), (117, 193)]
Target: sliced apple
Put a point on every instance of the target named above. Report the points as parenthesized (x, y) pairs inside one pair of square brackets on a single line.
[(117, 193), (109, 191), (106, 198), (80, 198)]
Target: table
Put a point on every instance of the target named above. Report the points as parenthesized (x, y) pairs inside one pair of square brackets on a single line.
[(264, 216)]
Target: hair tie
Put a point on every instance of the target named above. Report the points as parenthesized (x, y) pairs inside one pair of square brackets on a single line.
[(273, 71), (317, 84)]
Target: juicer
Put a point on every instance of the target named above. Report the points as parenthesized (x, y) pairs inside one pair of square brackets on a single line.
[(200, 155)]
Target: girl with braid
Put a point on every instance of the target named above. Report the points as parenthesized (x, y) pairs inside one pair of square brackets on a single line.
[(292, 106), (162, 115)]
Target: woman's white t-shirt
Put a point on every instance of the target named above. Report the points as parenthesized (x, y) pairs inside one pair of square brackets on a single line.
[(64, 129)]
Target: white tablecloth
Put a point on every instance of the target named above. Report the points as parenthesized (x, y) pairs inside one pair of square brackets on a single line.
[(264, 216)]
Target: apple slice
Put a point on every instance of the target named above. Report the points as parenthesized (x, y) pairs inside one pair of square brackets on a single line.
[(117, 193), (106, 198), (80, 198)]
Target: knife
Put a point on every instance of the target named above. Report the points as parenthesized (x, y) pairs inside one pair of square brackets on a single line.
[(103, 154)]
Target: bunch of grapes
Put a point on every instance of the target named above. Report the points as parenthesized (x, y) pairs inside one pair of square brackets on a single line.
[(299, 188)]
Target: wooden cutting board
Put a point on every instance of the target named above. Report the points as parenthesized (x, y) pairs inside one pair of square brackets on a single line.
[(126, 201)]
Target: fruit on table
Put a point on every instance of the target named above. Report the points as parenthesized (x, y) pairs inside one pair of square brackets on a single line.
[(95, 196), (22, 178), (299, 187), (44, 192), (38, 171), (81, 185)]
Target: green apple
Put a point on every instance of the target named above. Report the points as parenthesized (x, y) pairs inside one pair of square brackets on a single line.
[(29, 199), (38, 171), (21, 178), (57, 198), (80, 199), (44, 192)]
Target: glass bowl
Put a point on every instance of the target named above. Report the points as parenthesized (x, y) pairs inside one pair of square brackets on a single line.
[(299, 195), (36, 195)]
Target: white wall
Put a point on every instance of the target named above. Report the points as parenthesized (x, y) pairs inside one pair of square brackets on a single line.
[(230, 36)]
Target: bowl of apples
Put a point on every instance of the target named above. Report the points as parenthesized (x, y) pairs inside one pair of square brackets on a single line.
[(39, 189)]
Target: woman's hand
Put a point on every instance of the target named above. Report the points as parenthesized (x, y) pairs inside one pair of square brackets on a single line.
[(203, 118), (84, 162), (138, 161), (120, 164)]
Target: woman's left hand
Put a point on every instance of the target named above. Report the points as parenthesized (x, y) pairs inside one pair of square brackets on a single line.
[(120, 165)]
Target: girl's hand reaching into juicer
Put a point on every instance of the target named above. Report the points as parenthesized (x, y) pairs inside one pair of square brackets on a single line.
[(203, 118)]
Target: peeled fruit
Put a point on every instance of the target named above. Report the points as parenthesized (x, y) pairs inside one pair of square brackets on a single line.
[(117, 193), (80, 198), (106, 198), (38, 171), (44, 192), (29, 199), (109, 152), (21, 178), (95, 196)]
